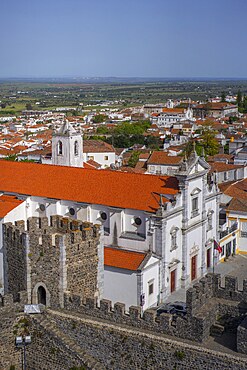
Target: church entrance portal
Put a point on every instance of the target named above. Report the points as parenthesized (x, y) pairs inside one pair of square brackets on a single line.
[(41, 295)]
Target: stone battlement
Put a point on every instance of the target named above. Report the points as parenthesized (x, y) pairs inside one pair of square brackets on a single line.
[(48, 258), (214, 286), (206, 300), (58, 224)]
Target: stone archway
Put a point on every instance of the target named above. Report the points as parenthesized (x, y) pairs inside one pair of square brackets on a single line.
[(41, 294)]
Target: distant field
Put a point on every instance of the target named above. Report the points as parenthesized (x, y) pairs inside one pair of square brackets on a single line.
[(51, 95)]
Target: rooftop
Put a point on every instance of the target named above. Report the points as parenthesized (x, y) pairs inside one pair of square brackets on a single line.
[(123, 259), (7, 203), (111, 188)]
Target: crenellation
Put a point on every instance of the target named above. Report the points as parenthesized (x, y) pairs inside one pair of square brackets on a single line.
[(119, 309), (135, 313), (91, 303), (105, 306), (57, 258), (149, 316)]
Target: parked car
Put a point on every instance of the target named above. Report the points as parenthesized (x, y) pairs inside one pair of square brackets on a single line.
[(165, 308), (178, 308)]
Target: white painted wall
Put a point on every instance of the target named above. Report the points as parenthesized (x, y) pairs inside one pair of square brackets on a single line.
[(101, 158), (151, 274), (120, 286)]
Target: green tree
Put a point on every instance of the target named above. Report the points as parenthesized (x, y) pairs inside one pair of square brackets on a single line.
[(239, 99), (99, 118), (11, 157), (223, 96), (134, 158), (29, 106), (209, 142), (102, 130)]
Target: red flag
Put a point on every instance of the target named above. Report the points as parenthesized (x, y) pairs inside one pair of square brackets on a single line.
[(217, 246)]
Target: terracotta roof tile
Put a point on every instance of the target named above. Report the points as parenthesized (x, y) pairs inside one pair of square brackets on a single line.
[(238, 205), (7, 203), (97, 146), (223, 167), (236, 189), (111, 188), (123, 259), (163, 158)]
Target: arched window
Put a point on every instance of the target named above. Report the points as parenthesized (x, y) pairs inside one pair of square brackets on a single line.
[(76, 148), (60, 148)]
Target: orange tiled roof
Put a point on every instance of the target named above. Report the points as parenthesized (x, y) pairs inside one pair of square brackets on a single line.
[(238, 205), (173, 110), (123, 259), (92, 163), (97, 146), (7, 203), (236, 189), (111, 188), (163, 158), (223, 167)]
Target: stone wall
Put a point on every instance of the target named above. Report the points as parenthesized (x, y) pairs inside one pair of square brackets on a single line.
[(49, 349), (60, 257), (14, 258), (61, 340), (203, 310), (242, 337), (121, 348)]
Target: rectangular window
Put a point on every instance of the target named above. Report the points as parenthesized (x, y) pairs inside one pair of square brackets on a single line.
[(223, 250), (106, 157), (195, 204), (150, 287), (243, 230), (91, 157)]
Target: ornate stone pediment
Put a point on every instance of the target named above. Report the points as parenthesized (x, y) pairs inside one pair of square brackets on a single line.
[(194, 249)]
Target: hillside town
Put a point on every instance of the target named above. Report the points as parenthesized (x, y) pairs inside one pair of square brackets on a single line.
[(199, 150), (127, 208)]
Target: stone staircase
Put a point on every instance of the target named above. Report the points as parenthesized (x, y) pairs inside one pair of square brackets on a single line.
[(87, 361)]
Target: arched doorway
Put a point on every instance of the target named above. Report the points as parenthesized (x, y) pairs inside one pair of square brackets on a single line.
[(41, 295)]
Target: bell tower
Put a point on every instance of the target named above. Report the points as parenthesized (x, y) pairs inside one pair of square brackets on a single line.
[(67, 146)]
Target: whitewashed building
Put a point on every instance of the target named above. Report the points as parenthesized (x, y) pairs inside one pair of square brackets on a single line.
[(169, 222)]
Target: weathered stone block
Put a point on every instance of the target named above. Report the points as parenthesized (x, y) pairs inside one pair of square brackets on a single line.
[(119, 309), (91, 303), (135, 313), (105, 306), (149, 316)]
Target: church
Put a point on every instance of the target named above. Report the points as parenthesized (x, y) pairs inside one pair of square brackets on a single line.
[(157, 232)]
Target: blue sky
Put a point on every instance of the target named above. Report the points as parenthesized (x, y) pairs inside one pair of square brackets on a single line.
[(125, 38)]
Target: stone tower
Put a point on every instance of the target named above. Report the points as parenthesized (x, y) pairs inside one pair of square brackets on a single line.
[(67, 147), (49, 260)]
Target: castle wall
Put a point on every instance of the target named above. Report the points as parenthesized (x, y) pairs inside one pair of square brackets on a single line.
[(15, 263), (65, 256), (121, 348)]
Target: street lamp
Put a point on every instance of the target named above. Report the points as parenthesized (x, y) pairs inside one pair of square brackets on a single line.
[(22, 342)]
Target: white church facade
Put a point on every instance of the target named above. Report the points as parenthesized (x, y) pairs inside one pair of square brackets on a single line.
[(158, 231)]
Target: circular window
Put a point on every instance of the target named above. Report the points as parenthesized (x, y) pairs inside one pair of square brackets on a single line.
[(137, 221), (42, 207), (103, 216), (72, 211)]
